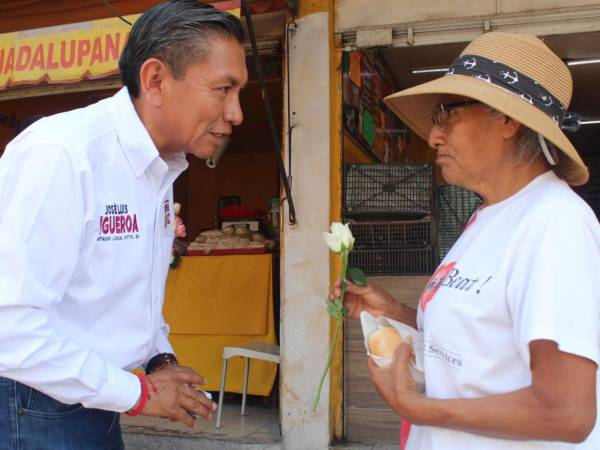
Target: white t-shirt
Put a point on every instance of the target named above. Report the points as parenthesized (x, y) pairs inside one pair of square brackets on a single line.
[(524, 269), (85, 239)]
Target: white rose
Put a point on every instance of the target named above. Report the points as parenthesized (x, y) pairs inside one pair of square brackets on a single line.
[(340, 238)]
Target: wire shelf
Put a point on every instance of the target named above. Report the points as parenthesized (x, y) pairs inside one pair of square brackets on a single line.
[(388, 235), (388, 190), (455, 206), (406, 261)]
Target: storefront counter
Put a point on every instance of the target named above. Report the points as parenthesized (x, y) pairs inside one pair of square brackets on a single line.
[(213, 302)]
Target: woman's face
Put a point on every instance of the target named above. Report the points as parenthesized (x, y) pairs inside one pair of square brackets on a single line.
[(469, 143)]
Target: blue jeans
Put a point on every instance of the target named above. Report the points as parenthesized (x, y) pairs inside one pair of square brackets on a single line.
[(30, 420)]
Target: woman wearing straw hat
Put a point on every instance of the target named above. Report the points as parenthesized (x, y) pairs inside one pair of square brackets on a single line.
[(510, 318)]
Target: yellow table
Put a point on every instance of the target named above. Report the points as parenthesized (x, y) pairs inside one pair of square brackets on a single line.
[(213, 302)]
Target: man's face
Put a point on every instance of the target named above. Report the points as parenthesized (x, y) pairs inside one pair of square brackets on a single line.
[(200, 110)]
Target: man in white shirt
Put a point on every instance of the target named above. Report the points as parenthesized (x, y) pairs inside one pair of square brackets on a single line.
[(86, 234)]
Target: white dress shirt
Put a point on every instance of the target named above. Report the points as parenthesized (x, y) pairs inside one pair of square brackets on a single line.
[(85, 239)]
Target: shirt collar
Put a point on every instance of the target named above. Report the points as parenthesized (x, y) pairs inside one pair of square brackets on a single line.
[(546, 177), (177, 163), (135, 140)]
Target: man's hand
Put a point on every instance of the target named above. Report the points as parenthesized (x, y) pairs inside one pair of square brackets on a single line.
[(175, 398)]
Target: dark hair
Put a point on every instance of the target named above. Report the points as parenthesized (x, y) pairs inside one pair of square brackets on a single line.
[(178, 33)]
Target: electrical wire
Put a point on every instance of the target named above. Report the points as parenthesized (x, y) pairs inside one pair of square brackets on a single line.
[(288, 33), (288, 83), (115, 13), (271, 120)]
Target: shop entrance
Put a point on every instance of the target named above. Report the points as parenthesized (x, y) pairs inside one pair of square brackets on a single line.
[(247, 170), (400, 251), (221, 292)]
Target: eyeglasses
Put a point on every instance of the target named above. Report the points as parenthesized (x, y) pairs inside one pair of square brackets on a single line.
[(441, 113)]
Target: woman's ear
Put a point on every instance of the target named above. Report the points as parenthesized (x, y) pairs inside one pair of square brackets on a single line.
[(510, 128), (154, 73)]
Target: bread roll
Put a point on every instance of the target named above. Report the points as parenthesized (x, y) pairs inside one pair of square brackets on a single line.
[(384, 342), (257, 237), (211, 233), (242, 230)]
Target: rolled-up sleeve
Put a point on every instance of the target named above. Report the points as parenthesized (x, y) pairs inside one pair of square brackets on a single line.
[(42, 218)]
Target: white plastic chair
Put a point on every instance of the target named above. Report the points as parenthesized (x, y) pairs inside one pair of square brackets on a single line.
[(262, 351)]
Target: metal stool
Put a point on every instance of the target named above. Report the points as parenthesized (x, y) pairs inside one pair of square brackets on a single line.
[(265, 352)]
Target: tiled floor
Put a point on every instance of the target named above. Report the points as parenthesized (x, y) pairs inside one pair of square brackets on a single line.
[(260, 425), (258, 430)]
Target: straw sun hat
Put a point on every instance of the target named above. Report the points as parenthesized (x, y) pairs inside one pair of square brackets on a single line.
[(516, 74)]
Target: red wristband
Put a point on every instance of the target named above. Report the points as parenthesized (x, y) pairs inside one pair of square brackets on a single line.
[(143, 399), (151, 386)]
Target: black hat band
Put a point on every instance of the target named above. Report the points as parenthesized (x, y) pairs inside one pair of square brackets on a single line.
[(517, 83)]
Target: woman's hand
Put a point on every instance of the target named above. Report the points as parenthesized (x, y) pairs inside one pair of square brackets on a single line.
[(368, 298), (395, 383), (559, 405)]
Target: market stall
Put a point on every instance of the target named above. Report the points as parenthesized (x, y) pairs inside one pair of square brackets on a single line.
[(216, 301), (399, 217), (211, 301)]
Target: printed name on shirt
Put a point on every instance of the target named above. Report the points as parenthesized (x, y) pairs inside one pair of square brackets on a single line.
[(434, 284), (117, 224), (116, 209), (454, 280), (448, 276), (454, 360), (167, 207)]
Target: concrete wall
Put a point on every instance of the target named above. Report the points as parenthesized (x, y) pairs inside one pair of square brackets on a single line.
[(305, 258), (351, 14), (354, 14)]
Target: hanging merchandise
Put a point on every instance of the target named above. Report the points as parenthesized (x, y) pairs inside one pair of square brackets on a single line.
[(366, 81)]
